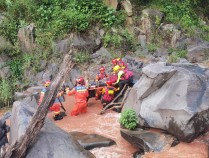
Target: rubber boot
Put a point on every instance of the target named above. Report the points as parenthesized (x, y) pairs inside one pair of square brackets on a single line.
[(58, 117)]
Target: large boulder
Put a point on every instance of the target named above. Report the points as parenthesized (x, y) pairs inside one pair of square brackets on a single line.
[(51, 141), (148, 140), (172, 97)]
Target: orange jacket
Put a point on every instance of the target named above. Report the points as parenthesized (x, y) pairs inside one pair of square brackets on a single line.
[(81, 93)]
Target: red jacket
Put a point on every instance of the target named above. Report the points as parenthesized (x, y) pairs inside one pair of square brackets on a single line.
[(101, 76), (108, 93)]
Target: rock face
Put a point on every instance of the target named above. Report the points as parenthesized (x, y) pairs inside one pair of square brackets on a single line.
[(4, 129), (90, 141), (147, 140), (173, 98), (51, 142), (26, 37)]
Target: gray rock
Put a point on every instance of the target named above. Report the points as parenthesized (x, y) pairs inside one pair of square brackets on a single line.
[(147, 140), (51, 142), (198, 53), (90, 141), (172, 97), (134, 65), (101, 56)]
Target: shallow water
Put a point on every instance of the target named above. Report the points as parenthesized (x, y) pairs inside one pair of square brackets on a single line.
[(108, 125), (91, 122)]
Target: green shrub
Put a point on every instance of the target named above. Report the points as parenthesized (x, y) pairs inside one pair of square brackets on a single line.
[(128, 119), (122, 40), (6, 94), (151, 47), (82, 57), (181, 53)]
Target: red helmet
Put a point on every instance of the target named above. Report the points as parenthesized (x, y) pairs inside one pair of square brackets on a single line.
[(80, 80), (114, 61), (109, 83), (102, 69)]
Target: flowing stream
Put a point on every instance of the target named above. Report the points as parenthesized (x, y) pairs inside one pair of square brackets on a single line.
[(92, 123)]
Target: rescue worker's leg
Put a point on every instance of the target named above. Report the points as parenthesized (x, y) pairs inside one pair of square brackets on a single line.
[(98, 93), (83, 107), (56, 108), (58, 116), (75, 110)]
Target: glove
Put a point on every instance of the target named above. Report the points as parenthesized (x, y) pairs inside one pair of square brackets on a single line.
[(60, 94), (67, 90)]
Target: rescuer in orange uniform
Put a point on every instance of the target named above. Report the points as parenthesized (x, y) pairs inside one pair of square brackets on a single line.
[(43, 91), (100, 76), (81, 94), (56, 106)]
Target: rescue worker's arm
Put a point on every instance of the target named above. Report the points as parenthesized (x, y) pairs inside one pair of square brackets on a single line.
[(71, 92), (97, 78), (116, 89), (60, 94), (103, 90), (120, 73)]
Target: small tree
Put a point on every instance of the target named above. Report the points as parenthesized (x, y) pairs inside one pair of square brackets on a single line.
[(128, 119)]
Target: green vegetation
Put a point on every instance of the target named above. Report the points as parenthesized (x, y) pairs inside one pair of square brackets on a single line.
[(55, 18), (82, 57), (175, 54), (122, 40), (128, 119), (5, 93)]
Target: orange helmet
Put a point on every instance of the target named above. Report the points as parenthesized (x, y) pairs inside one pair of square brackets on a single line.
[(102, 69), (47, 83), (109, 83), (80, 80)]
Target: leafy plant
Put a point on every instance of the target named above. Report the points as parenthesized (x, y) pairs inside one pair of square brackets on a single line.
[(121, 40), (82, 57), (128, 119), (6, 95), (151, 47)]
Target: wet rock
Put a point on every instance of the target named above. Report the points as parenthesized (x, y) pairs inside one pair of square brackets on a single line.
[(147, 140), (198, 53), (138, 154), (134, 65), (172, 97), (90, 141), (51, 141), (101, 56), (4, 129)]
